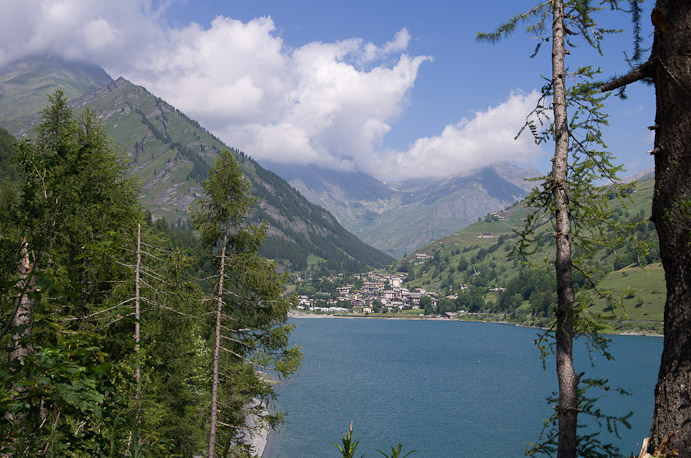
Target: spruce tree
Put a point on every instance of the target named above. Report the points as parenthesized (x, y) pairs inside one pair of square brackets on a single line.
[(61, 393), (249, 336)]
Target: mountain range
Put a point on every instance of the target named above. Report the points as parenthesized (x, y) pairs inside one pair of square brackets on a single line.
[(171, 154), (398, 217), (482, 257), (314, 215)]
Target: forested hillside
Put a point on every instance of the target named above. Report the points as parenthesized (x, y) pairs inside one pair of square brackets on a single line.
[(106, 330), (479, 269), (170, 154)]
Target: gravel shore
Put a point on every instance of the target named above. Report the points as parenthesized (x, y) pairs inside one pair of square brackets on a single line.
[(258, 437)]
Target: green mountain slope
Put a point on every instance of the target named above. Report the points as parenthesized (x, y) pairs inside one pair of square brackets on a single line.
[(171, 154), (25, 85), (480, 258)]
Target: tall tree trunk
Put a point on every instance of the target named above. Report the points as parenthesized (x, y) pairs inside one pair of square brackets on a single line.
[(22, 320), (217, 350), (137, 336), (568, 382), (23, 316), (671, 67)]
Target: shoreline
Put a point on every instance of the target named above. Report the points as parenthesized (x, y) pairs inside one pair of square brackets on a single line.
[(258, 433), (259, 442), (301, 315), (295, 314)]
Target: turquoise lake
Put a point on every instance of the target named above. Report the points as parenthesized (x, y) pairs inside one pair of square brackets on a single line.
[(445, 388)]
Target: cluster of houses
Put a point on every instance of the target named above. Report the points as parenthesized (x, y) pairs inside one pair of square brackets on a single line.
[(383, 290)]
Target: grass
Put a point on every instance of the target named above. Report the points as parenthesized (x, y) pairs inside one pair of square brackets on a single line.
[(409, 313), (643, 291), (313, 259)]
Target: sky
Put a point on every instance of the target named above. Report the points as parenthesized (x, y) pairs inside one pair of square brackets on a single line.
[(395, 89)]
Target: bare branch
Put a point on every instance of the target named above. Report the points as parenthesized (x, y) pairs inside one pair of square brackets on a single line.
[(114, 321), (228, 329), (222, 374), (155, 248), (635, 75), (100, 311), (244, 358), (237, 341), (231, 319), (152, 273), (170, 309), (151, 256)]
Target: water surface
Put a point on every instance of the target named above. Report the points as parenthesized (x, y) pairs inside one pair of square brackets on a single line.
[(445, 388)]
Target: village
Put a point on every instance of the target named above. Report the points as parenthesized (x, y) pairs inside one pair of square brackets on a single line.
[(373, 293), (376, 293)]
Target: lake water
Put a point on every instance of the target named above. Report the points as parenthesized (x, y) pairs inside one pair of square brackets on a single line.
[(445, 388)]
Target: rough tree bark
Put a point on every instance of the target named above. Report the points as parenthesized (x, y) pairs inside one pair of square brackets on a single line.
[(21, 323), (568, 381), (671, 71), (669, 66)]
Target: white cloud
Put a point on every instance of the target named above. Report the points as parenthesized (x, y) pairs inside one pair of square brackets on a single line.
[(486, 137), (312, 104), (326, 103), (398, 44), (103, 32), (231, 73), (98, 34)]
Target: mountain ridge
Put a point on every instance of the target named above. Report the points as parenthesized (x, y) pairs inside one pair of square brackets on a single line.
[(25, 84), (481, 258), (398, 217), (171, 154)]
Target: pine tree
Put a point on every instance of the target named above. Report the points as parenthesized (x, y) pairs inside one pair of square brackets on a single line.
[(169, 358), (249, 311)]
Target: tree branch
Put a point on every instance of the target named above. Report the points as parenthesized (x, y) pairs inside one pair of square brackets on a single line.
[(254, 363), (99, 312), (238, 342), (643, 71)]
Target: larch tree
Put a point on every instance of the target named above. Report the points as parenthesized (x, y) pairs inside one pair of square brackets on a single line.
[(569, 194), (249, 334), (669, 67), (567, 408)]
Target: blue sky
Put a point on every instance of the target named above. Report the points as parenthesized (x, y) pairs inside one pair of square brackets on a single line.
[(396, 89)]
